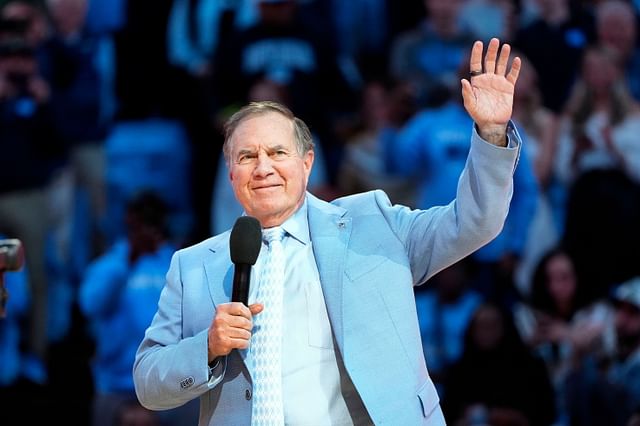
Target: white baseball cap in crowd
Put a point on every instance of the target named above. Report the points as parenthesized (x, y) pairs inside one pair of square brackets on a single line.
[(629, 292)]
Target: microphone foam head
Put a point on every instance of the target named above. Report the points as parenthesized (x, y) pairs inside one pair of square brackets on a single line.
[(245, 240)]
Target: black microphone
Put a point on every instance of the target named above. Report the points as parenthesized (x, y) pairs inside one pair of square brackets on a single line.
[(244, 245)]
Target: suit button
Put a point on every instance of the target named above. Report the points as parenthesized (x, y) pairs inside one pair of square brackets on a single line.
[(247, 394)]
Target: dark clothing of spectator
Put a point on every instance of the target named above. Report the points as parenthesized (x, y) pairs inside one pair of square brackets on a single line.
[(76, 89), (29, 143), (504, 376), (556, 53), (605, 254)]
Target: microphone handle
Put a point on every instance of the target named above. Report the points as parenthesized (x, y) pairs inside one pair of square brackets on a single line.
[(241, 279)]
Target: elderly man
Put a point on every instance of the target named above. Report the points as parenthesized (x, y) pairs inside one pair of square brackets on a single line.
[(345, 348)]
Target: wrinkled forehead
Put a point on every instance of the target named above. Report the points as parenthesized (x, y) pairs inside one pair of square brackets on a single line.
[(262, 130)]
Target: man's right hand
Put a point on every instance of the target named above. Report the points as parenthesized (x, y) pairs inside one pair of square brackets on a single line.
[(231, 328)]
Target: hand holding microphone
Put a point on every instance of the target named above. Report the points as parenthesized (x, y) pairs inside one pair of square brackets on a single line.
[(232, 325)]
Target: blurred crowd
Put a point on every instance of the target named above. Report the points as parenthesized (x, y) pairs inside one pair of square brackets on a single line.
[(111, 114)]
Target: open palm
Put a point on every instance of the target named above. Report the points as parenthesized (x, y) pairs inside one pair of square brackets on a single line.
[(488, 96)]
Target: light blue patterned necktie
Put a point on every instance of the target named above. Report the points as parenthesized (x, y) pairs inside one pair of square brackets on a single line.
[(266, 342)]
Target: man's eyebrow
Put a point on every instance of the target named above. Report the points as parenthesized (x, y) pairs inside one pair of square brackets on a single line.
[(279, 147), (245, 151)]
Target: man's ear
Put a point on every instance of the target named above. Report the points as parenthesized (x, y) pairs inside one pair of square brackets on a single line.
[(308, 161)]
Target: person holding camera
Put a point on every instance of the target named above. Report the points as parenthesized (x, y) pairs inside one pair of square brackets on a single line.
[(31, 152)]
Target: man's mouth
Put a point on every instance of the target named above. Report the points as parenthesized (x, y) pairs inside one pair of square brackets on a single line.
[(275, 185)]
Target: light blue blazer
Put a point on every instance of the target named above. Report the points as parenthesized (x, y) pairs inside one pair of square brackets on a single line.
[(369, 254)]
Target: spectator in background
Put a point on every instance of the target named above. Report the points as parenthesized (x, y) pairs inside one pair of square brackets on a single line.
[(554, 43), (560, 325), (363, 167), (363, 36), (196, 28), (539, 127), (491, 18), (11, 335), (144, 83), (30, 18), (15, 308), (497, 381), (537, 121), (78, 195), (601, 120), (617, 29), (626, 371), (149, 153), (76, 104), (17, 381), (29, 134), (609, 393), (598, 158), (119, 295), (429, 56), (445, 309)]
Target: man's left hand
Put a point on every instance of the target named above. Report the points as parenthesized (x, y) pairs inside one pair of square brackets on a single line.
[(488, 93)]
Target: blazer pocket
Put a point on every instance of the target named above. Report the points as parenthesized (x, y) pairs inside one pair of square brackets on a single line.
[(359, 264), (428, 396)]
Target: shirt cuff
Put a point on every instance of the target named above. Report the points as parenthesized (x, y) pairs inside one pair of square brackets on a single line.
[(217, 368)]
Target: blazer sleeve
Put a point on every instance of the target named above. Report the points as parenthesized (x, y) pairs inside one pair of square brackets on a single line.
[(170, 370), (440, 236)]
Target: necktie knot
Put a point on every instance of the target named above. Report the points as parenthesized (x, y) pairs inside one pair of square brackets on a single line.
[(270, 235)]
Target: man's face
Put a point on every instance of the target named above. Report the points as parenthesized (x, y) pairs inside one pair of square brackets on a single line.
[(268, 176)]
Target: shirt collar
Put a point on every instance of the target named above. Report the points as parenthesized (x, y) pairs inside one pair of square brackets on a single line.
[(298, 225)]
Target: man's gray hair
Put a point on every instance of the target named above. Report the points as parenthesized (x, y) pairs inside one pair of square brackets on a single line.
[(303, 139)]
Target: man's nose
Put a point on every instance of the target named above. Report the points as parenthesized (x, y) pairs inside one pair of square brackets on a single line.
[(264, 165)]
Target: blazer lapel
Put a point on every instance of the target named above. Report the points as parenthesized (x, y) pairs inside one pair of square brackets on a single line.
[(219, 272), (330, 232)]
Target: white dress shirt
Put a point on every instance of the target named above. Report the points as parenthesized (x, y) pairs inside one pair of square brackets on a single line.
[(316, 388)]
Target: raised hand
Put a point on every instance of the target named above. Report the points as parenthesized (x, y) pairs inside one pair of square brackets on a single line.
[(488, 93)]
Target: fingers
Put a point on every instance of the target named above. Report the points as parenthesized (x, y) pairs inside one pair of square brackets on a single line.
[(515, 70), (256, 308), (234, 308), (496, 60), (490, 57), (503, 60), (467, 92), (469, 97), (231, 328), (475, 62), (239, 322)]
